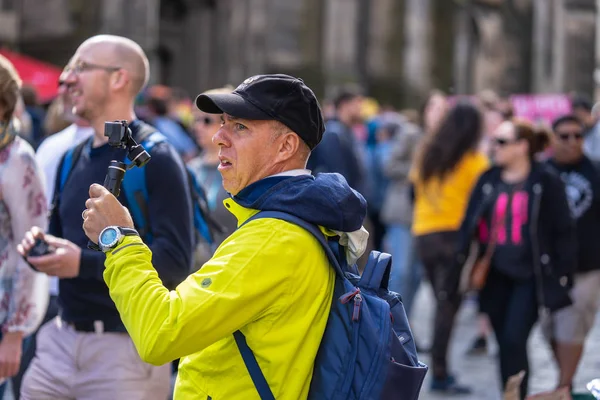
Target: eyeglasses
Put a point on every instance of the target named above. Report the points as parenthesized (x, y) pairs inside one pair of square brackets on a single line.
[(566, 136), (82, 66), (501, 142)]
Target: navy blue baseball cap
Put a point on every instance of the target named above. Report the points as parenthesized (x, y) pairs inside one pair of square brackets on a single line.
[(276, 97)]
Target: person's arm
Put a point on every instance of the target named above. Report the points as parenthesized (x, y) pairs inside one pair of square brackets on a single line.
[(471, 214), (241, 283), (23, 193), (398, 166), (564, 235), (170, 220)]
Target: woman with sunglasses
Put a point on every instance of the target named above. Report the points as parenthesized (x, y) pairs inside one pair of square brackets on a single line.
[(205, 167), (519, 215)]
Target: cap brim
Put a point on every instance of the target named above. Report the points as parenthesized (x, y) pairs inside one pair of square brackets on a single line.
[(230, 103)]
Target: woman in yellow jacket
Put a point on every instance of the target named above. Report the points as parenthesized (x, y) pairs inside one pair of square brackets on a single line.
[(445, 171)]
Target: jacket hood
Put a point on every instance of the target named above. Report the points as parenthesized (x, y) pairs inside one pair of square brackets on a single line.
[(325, 200)]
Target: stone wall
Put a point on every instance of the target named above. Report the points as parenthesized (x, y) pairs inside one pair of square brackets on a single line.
[(397, 49)]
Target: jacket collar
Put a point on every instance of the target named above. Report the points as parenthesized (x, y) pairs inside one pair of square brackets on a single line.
[(247, 202), (241, 213)]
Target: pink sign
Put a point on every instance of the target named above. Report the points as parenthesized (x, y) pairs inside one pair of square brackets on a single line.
[(541, 107)]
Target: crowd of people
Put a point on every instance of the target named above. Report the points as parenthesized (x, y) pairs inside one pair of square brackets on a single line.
[(460, 192), (480, 201)]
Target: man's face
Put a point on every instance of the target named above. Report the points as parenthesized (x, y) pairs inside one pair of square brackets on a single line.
[(354, 109), (568, 143), (434, 113), (247, 153), (88, 81), (63, 93)]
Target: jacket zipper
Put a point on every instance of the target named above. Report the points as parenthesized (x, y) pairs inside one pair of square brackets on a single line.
[(537, 191)]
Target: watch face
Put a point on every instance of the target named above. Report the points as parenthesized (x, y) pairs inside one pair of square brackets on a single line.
[(108, 237)]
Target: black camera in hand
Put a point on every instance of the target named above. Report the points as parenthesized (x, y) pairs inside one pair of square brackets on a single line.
[(40, 248)]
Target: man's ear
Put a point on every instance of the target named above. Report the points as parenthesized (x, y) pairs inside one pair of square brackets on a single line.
[(120, 79), (290, 145)]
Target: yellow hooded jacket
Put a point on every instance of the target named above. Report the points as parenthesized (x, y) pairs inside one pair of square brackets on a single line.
[(270, 279)]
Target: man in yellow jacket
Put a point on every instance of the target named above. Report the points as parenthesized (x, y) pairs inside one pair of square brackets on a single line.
[(270, 279)]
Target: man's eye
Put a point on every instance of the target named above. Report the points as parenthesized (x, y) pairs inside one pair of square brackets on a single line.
[(240, 127)]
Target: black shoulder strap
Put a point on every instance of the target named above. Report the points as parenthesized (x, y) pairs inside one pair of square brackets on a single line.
[(143, 131)]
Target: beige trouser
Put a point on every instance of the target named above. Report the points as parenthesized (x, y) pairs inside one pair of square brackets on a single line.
[(90, 366), (573, 324)]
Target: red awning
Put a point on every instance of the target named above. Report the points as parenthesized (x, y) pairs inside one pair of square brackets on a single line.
[(42, 76)]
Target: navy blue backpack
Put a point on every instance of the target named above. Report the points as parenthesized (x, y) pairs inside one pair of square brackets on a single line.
[(135, 190), (367, 350)]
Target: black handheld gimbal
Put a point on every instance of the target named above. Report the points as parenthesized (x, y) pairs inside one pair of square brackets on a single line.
[(120, 136)]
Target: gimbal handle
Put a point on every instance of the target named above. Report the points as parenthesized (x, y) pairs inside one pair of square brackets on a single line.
[(112, 182)]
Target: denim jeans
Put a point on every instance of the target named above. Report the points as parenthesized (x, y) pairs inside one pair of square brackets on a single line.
[(513, 310), (407, 271)]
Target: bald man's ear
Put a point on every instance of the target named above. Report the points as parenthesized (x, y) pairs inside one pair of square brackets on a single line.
[(120, 79)]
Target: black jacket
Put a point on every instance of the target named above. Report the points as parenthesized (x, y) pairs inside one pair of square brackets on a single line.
[(552, 231), (582, 181)]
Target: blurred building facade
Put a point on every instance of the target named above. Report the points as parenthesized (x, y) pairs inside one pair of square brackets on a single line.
[(397, 49)]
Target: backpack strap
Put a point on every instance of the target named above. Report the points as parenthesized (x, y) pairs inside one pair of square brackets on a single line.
[(258, 378), (68, 162), (377, 272), (135, 188), (313, 229)]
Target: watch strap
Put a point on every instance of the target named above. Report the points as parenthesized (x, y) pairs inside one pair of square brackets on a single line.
[(128, 231)]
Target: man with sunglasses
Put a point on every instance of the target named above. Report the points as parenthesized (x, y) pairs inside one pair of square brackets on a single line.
[(569, 327), (86, 351)]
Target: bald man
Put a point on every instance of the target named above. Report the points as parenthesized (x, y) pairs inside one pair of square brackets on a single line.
[(86, 353)]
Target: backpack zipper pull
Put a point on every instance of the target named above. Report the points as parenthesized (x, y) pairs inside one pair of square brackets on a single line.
[(349, 296), (356, 312)]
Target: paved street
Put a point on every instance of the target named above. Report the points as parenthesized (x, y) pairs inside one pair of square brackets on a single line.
[(481, 371)]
